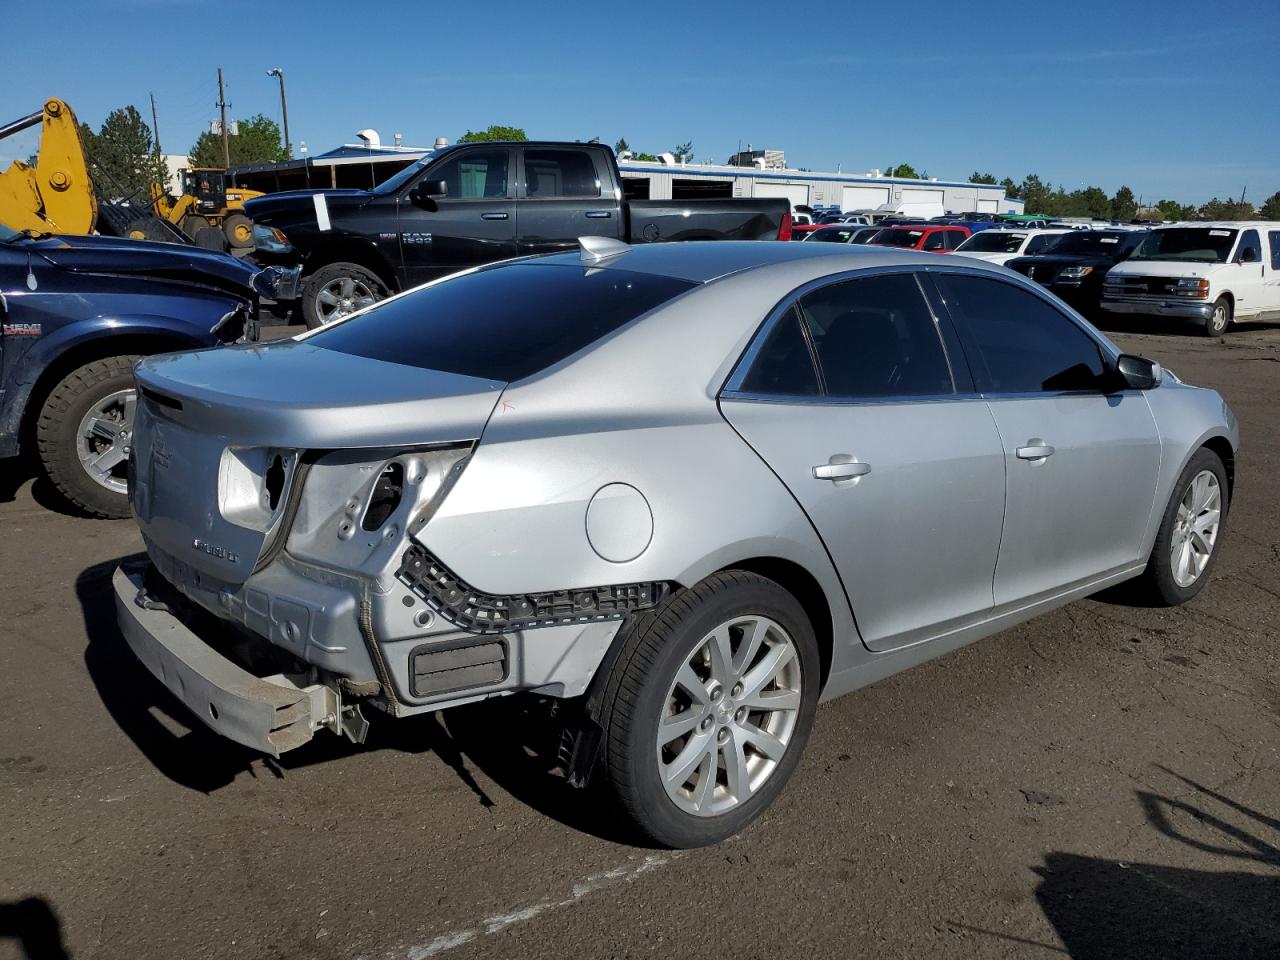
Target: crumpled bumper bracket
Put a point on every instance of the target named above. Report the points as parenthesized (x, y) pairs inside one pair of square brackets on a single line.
[(271, 714)]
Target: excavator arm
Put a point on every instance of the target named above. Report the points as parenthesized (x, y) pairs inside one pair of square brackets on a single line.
[(57, 193)]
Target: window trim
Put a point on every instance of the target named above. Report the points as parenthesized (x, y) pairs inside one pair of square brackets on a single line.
[(962, 384), (1109, 353)]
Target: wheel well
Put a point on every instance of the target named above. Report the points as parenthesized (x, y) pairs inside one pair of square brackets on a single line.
[(351, 253), (797, 581), (1222, 447), (116, 345)]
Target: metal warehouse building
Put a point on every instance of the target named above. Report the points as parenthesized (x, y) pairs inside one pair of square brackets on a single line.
[(864, 191)]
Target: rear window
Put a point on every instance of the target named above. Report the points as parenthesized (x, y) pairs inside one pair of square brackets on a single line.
[(505, 323), (898, 238), (831, 235), (993, 241)]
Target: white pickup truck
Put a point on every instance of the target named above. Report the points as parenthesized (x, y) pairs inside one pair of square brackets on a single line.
[(1212, 273)]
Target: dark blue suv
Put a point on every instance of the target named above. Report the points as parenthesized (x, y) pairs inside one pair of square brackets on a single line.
[(77, 313)]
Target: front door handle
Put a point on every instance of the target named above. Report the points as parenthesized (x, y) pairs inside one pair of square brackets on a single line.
[(599, 214), (494, 216), (1036, 449), (841, 467)]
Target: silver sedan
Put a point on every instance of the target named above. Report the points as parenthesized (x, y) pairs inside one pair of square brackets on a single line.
[(689, 490)]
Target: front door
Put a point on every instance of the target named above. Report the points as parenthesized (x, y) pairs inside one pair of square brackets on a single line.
[(1081, 458), (474, 224), (1248, 282), (563, 199), (852, 401)]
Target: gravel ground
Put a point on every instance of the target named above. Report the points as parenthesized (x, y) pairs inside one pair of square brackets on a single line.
[(1103, 781)]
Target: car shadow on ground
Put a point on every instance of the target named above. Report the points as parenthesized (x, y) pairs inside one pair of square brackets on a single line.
[(14, 474), (1109, 908), (512, 740), (34, 927)]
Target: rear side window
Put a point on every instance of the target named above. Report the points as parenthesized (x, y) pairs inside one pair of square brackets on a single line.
[(875, 337), (505, 323), (559, 173), (784, 365), (1021, 342), (1274, 237)]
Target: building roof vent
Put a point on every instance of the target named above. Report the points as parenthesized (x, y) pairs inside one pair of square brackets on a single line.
[(370, 137), (669, 159), (441, 142)]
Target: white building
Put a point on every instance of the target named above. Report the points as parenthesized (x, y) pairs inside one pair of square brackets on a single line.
[(848, 191)]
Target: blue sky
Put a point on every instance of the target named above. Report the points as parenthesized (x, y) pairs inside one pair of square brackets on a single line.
[(1156, 95)]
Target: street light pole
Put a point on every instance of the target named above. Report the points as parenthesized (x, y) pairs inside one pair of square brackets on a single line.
[(278, 73)]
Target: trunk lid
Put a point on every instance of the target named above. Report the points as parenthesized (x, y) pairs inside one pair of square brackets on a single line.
[(219, 433)]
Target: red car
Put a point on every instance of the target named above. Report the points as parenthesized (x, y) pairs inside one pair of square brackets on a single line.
[(922, 236)]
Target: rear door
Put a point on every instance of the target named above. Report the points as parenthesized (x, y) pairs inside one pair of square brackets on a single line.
[(474, 223), (1271, 285), (850, 396), (1081, 459), (565, 193)]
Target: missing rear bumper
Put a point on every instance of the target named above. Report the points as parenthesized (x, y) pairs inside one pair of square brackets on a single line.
[(272, 714)]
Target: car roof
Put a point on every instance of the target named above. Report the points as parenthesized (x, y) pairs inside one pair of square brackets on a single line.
[(707, 261)]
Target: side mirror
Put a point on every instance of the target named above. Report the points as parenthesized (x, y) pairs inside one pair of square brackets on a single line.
[(1139, 373), (1248, 255), (429, 190)]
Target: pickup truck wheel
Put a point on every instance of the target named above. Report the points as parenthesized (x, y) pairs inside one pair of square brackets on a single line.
[(1219, 319), (708, 708), (336, 290), (83, 435)]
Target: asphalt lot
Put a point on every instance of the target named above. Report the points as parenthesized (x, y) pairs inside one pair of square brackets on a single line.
[(1103, 781)]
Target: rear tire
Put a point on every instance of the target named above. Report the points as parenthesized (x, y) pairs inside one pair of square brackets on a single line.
[(239, 231), (336, 290), (193, 224), (1219, 318), (211, 238), (667, 681), (101, 390), (1185, 530)]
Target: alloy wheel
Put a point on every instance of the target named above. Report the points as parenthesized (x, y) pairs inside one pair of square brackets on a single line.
[(104, 437), (729, 715), (1195, 528), (343, 296)]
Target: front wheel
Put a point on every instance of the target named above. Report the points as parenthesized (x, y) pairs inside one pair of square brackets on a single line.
[(239, 231), (337, 290), (709, 706), (1190, 531), (84, 432), (1219, 318)]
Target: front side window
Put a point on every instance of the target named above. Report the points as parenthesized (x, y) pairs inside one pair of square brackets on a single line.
[(875, 337), (1041, 243), (559, 173), (1021, 342), (475, 175), (1250, 248)]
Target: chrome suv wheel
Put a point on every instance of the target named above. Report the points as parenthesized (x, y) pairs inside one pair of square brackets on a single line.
[(708, 707)]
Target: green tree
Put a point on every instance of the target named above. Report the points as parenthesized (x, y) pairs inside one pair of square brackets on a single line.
[(621, 145), (904, 170), (493, 132), (977, 177), (1011, 189), (1173, 210), (683, 152), (648, 157), (1123, 204), (1217, 209), (1037, 195), (1095, 202), (1271, 208), (122, 156), (258, 141)]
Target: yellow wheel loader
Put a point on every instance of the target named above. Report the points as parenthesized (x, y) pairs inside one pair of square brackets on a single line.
[(207, 203)]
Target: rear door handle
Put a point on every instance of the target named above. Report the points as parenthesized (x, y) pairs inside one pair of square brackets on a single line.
[(1036, 449), (599, 214), (841, 466), (493, 216)]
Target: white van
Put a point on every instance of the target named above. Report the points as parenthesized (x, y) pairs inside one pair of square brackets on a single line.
[(1212, 273)]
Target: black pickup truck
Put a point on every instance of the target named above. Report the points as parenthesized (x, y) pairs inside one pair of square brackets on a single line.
[(474, 203)]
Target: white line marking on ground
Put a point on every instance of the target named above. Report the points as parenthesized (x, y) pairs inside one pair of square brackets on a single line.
[(501, 921)]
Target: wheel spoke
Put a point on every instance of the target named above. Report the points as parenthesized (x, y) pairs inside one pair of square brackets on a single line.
[(750, 648), (688, 759), (706, 786), (760, 675), (679, 724), (764, 741), (108, 459), (772, 700), (347, 287), (1185, 562), (105, 429), (737, 776), (1205, 522), (130, 405), (693, 685), (327, 297), (721, 652)]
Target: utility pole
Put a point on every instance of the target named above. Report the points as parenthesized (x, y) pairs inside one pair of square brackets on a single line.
[(222, 107), (278, 73), (155, 125)]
